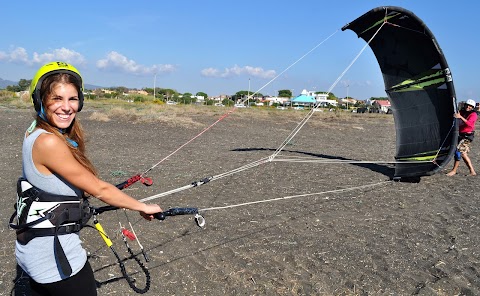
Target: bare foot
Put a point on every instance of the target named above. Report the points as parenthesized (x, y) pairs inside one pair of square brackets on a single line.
[(451, 173), (473, 174)]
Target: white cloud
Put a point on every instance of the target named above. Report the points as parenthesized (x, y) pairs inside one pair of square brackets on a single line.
[(20, 55), (16, 55), (62, 54), (237, 71), (117, 61)]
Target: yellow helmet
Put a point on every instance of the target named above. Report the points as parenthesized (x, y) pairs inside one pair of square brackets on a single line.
[(50, 69)]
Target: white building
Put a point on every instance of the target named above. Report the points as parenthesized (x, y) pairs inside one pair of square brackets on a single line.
[(277, 100), (322, 99)]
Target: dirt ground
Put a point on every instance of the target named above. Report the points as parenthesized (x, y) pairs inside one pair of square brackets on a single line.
[(357, 233)]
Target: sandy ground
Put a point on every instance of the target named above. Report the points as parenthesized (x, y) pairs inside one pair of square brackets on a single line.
[(358, 233)]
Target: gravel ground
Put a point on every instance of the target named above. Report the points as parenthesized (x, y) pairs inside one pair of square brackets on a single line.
[(329, 228)]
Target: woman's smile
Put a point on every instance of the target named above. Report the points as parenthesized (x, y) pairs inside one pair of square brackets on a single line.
[(62, 105)]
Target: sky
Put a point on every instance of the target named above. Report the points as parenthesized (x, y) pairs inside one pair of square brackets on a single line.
[(221, 47)]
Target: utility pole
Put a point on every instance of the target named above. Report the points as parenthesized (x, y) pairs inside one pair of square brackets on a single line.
[(347, 95), (154, 82), (248, 96)]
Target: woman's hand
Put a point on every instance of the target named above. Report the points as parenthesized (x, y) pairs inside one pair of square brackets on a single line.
[(149, 210), (457, 115)]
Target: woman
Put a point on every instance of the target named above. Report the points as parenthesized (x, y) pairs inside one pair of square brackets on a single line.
[(55, 164), (466, 132)]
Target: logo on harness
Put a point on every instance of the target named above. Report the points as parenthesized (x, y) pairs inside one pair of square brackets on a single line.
[(40, 213)]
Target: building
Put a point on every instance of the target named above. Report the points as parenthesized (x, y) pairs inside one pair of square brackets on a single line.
[(303, 100), (140, 92), (383, 106), (275, 100), (321, 99)]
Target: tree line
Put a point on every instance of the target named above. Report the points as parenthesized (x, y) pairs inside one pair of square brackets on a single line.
[(167, 94)]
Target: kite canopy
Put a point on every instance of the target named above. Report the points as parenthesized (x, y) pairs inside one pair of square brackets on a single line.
[(419, 85)]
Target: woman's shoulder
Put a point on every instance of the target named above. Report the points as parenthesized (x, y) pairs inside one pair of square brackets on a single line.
[(473, 115), (49, 141)]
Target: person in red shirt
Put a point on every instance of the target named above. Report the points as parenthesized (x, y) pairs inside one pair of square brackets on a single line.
[(468, 117)]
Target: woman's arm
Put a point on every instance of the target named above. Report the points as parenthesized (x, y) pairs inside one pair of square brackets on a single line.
[(51, 155), (469, 121)]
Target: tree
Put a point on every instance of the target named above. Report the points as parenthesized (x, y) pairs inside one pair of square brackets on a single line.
[(202, 94), (360, 104), (175, 97), (14, 88), (243, 94), (227, 102), (168, 93), (120, 90), (187, 98), (285, 93), (22, 85), (149, 90), (97, 92)]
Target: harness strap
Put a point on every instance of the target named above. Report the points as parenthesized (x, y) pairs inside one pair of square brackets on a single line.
[(62, 260), (75, 218), (26, 225)]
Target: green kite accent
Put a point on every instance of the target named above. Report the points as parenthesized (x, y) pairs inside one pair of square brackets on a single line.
[(380, 22), (422, 81)]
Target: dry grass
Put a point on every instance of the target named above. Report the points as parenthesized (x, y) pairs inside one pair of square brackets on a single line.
[(173, 115), (8, 99), (98, 116), (145, 113), (185, 115)]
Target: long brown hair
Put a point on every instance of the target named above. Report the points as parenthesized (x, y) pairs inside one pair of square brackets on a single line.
[(74, 131)]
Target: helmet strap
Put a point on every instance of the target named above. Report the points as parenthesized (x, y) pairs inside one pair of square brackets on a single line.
[(41, 113), (72, 142)]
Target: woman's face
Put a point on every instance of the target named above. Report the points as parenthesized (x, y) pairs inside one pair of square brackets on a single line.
[(62, 105)]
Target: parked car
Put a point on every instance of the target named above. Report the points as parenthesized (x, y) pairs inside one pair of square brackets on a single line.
[(240, 106), (171, 103), (281, 108), (219, 105)]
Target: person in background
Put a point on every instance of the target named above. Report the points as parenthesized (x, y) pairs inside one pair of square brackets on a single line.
[(468, 117), (55, 165)]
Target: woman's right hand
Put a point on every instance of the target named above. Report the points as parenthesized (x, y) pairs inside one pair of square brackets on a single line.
[(149, 210)]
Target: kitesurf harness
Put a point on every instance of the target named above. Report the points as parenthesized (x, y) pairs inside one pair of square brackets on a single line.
[(469, 136), (40, 213)]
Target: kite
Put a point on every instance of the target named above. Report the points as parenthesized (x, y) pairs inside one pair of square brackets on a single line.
[(419, 85)]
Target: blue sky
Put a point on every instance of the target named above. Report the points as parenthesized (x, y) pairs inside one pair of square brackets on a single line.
[(221, 47)]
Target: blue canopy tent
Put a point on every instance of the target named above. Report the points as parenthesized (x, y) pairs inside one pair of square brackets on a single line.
[(303, 100)]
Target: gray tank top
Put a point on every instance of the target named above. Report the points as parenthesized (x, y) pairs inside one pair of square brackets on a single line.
[(37, 258)]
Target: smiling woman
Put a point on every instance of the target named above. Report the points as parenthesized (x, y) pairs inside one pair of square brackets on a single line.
[(62, 105), (51, 192)]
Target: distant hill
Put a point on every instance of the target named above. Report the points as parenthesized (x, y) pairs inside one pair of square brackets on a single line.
[(5, 83), (92, 87)]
